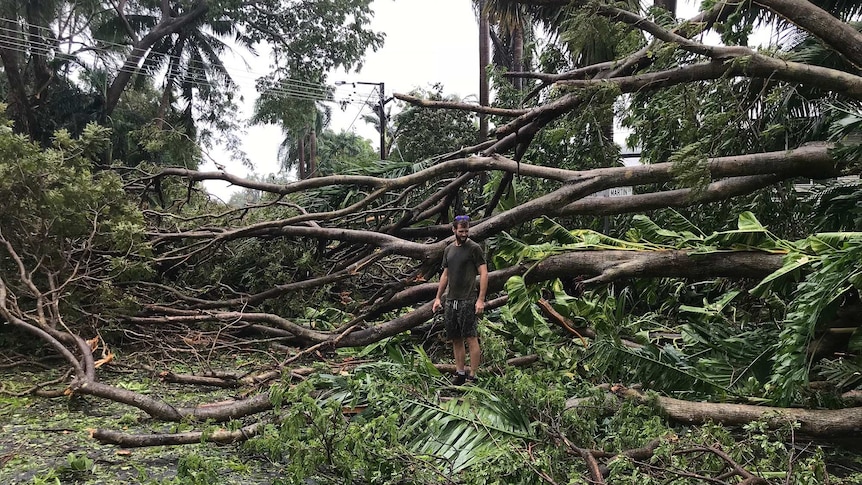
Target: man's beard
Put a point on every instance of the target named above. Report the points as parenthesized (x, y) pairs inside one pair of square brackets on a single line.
[(461, 239)]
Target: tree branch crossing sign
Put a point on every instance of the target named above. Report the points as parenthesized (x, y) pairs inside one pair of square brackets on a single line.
[(614, 192)]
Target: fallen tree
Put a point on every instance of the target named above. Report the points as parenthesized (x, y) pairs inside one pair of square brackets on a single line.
[(817, 423), (81, 259)]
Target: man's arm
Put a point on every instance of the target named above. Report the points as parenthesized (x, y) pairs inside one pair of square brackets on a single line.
[(483, 288), (444, 280)]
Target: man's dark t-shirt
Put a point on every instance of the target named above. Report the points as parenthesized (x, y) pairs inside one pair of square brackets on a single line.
[(463, 263)]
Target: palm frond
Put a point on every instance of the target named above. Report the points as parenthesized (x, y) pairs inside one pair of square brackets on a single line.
[(462, 432), (457, 432), (661, 368), (845, 374), (728, 354), (678, 236), (552, 230), (833, 274)]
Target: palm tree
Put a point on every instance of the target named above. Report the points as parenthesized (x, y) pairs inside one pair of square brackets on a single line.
[(190, 56), (586, 39), (345, 152), (484, 60), (298, 150), (512, 26), (386, 120)]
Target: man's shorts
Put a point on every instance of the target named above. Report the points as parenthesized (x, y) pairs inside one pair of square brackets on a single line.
[(461, 319)]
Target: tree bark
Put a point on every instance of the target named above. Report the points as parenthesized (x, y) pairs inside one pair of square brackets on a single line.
[(819, 423), (303, 171), (484, 60), (839, 35), (220, 436), (312, 154), (167, 26), (19, 103)]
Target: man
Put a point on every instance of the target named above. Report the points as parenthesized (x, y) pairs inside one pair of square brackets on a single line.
[(463, 260)]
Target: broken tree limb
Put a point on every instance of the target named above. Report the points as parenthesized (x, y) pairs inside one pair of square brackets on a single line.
[(427, 103), (222, 436), (820, 423)]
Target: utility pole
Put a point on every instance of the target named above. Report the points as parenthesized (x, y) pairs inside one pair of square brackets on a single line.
[(484, 60), (382, 104), (381, 111)]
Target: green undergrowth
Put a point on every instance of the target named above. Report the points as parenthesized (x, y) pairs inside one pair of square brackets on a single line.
[(47, 441), (396, 419)]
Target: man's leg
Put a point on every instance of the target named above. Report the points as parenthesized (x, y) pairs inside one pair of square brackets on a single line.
[(460, 354), (475, 354)]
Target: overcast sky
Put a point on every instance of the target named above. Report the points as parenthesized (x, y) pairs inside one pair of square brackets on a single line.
[(427, 41)]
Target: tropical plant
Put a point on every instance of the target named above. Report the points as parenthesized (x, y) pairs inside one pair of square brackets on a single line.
[(711, 348)]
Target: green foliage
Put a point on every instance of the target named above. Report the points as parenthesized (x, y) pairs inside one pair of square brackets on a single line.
[(57, 211), (707, 338), (689, 123), (140, 136), (843, 373), (591, 38), (257, 265), (483, 436), (521, 315), (345, 153), (423, 133), (57, 190), (666, 367), (833, 272), (79, 464), (166, 147), (402, 428), (645, 235), (728, 116), (835, 206), (197, 470), (463, 432), (315, 37), (76, 469)]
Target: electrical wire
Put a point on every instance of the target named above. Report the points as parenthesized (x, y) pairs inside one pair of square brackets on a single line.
[(288, 87), (48, 48), (361, 108)]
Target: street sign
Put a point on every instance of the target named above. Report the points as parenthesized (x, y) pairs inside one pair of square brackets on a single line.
[(614, 192)]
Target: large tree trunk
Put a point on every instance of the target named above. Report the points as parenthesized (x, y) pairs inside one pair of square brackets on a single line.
[(312, 154), (38, 25), (518, 54), (171, 79), (19, 103), (167, 26), (302, 173), (484, 60), (820, 423)]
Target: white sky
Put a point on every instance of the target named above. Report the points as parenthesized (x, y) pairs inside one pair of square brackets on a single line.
[(427, 41)]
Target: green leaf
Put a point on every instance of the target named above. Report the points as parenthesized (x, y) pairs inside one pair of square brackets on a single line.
[(791, 264), (747, 222)]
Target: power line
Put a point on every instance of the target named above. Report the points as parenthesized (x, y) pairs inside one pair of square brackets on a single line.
[(361, 108), (288, 87)]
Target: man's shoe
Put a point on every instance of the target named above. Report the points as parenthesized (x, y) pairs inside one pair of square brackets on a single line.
[(459, 379), (472, 380)]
